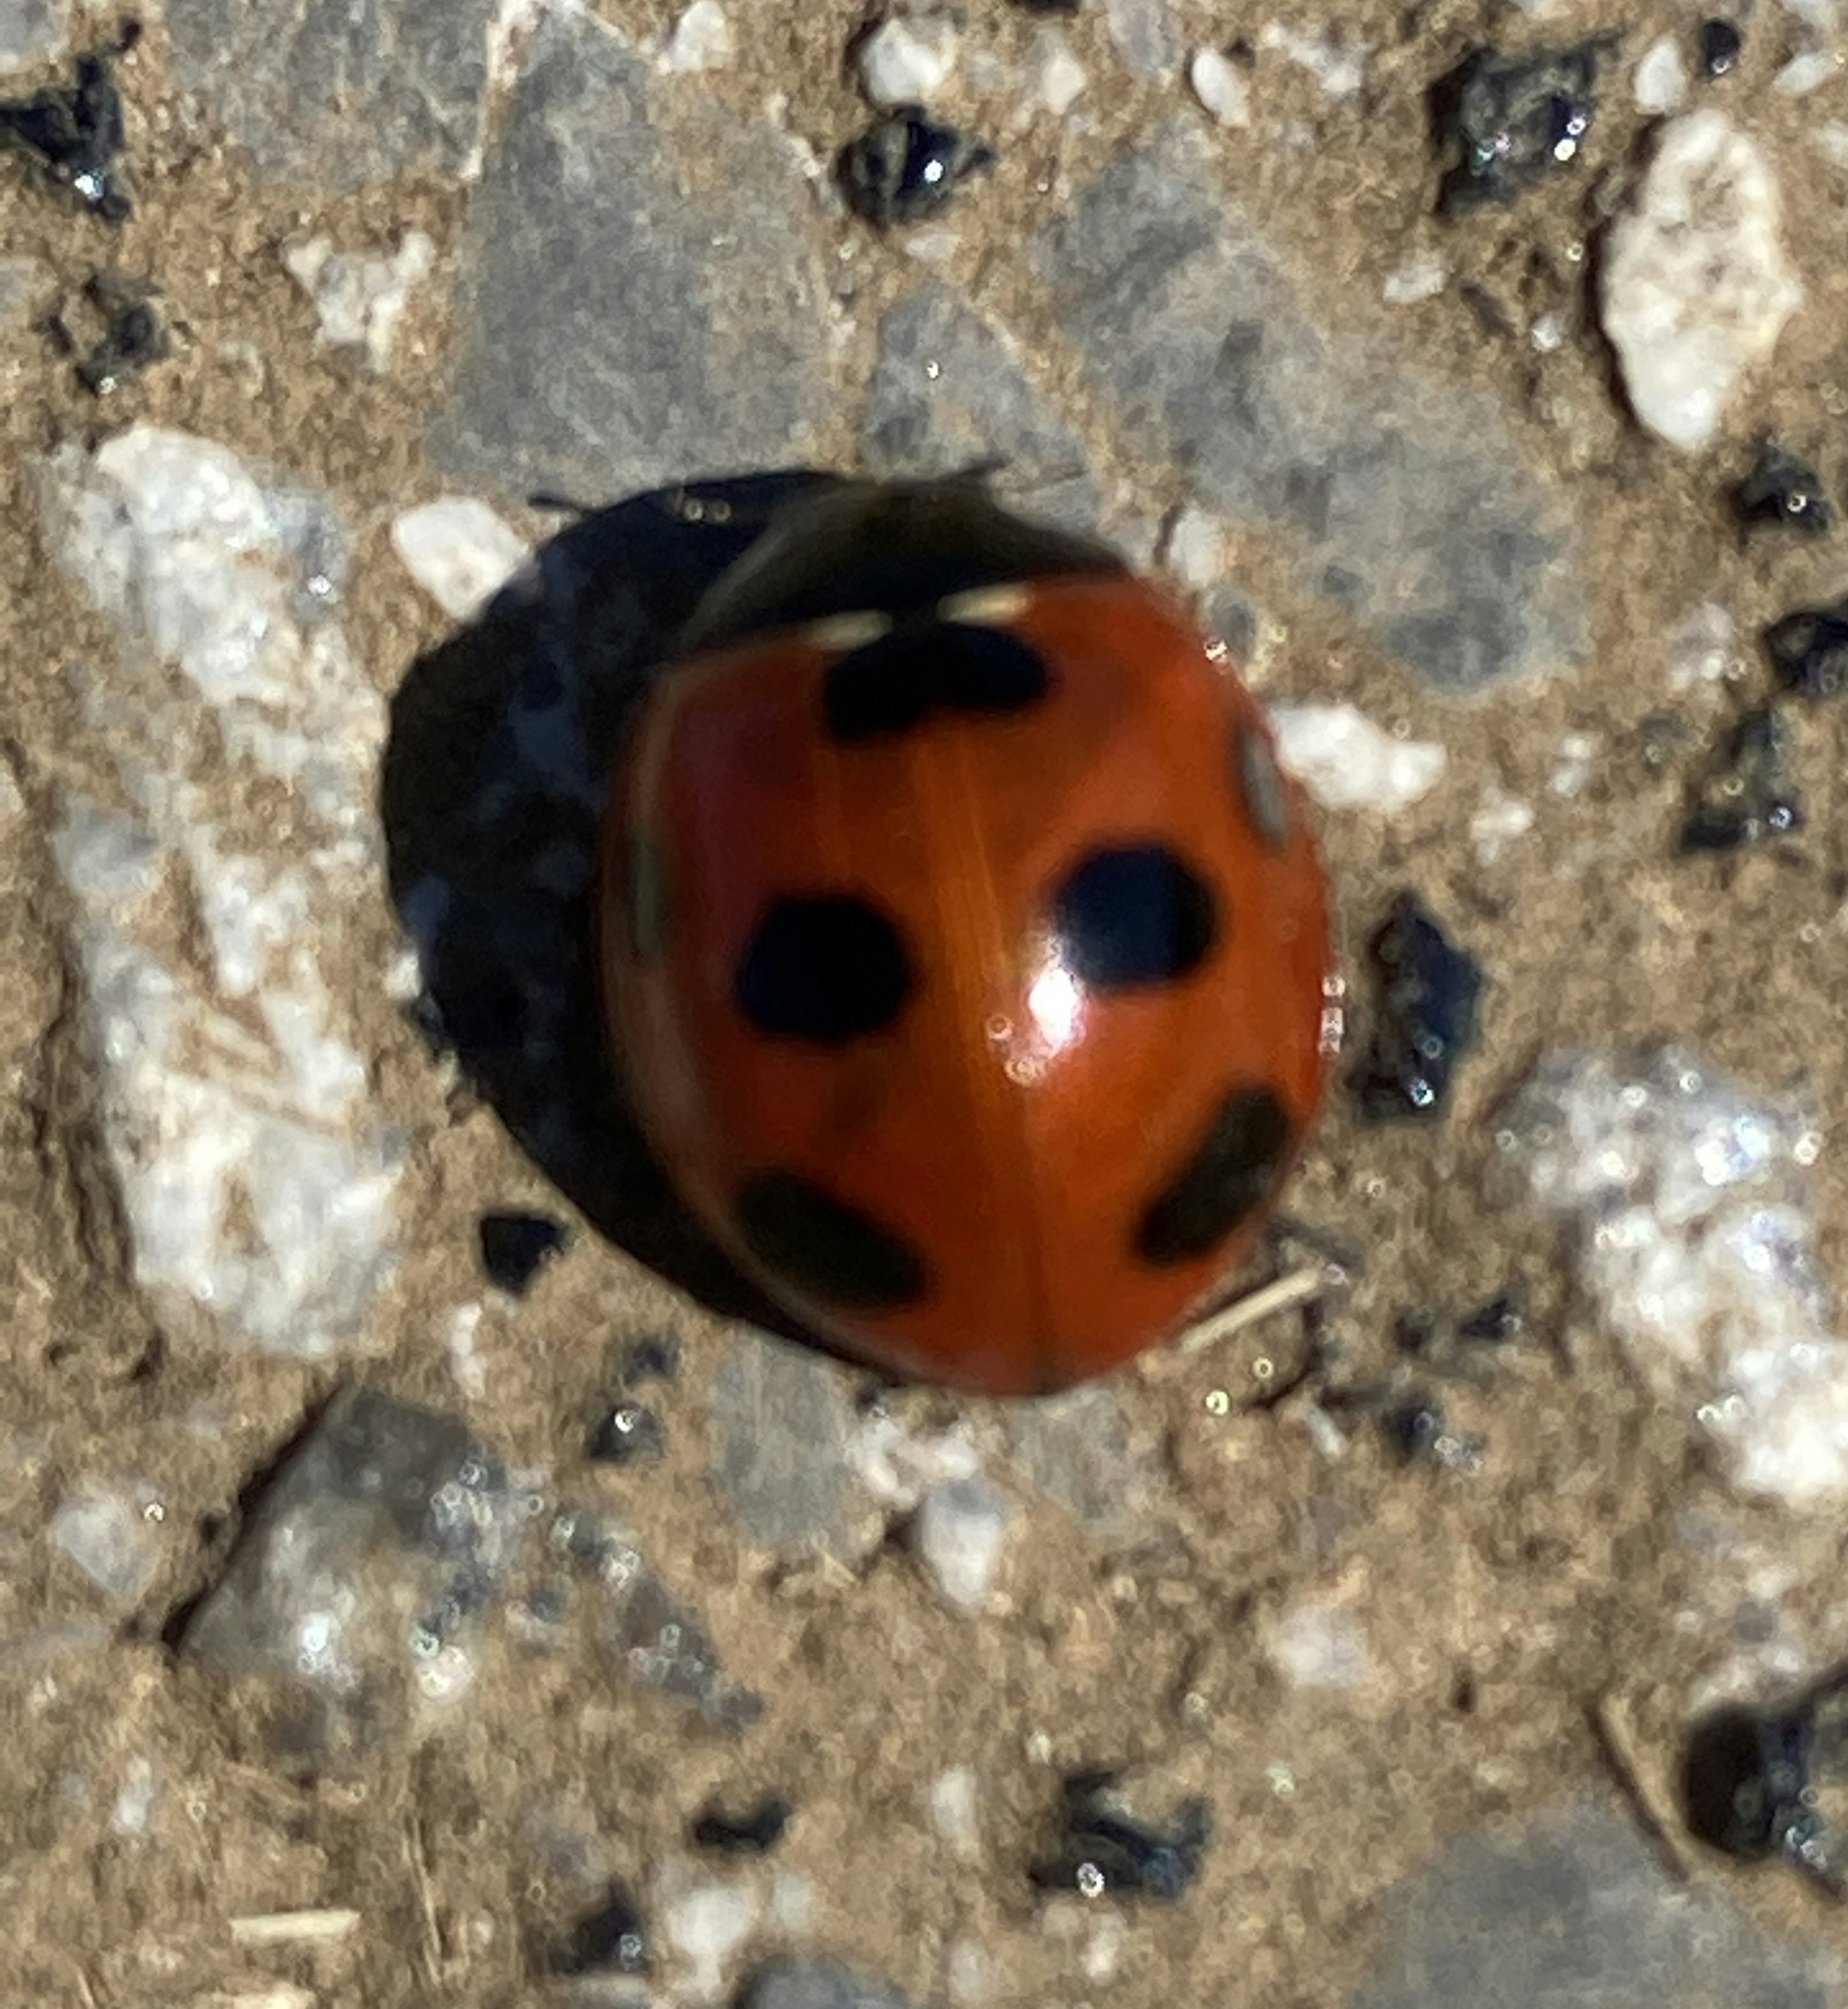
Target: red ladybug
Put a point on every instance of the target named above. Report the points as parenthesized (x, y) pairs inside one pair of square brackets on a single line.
[(962, 940)]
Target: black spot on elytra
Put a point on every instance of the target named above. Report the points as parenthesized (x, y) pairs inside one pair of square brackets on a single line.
[(893, 683), (825, 1248), (1228, 1175), (1134, 915), (824, 967)]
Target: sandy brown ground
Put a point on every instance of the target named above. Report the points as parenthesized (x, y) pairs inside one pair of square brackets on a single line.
[(1506, 1610)]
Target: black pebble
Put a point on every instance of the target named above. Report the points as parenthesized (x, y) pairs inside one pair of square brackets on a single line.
[(1048, 6), (1425, 1019), (515, 1245), (753, 1833), (1781, 489), (1746, 794), (656, 1357), (905, 166), (1414, 1427), (1502, 1320), (1721, 43), (75, 133), (131, 338), (629, 1433), (611, 1940), (1099, 1848), (1809, 651), (1508, 120), (1412, 1332), (1764, 1783)]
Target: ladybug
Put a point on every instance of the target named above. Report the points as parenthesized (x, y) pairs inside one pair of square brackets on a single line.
[(964, 942)]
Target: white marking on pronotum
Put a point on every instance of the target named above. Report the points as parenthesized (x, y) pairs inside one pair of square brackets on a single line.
[(986, 606), (838, 632)]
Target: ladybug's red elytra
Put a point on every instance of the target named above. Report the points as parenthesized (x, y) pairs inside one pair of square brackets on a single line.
[(964, 942)]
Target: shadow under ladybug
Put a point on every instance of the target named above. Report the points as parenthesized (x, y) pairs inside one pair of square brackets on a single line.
[(494, 778)]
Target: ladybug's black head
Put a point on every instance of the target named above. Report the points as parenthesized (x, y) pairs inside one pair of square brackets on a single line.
[(895, 548)]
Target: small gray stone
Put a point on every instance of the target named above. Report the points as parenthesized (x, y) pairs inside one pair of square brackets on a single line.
[(1577, 1911), (786, 1433), (819, 1984), (1406, 499), (643, 296), (959, 1534), (32, 31), (336, 95), (1077, 1449), (103, 1531), (387, 1532), (1146, 38), (657, 1641), (949, 393)]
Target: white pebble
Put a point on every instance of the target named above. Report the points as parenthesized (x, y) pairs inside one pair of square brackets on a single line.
[(1317, 1645), (459, 1331), (898, 1465), (1220, 88), (954, 1815), (1347, 763), (1662, 78), (702, 39), (1106, 1941), (459, 552), (706, 1923), (1339, 67), (1804, 73), (360, 298), (1696, 288), (1421, 277), (959, 1534), (1499, 820), (256, 1175), (1572, 769), (1688, 1201), (968, 1973), (1701, 651), (134, 1801), (402, 978), (1056, 77), (109, 1538), (1194, 550), (908, 59)]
